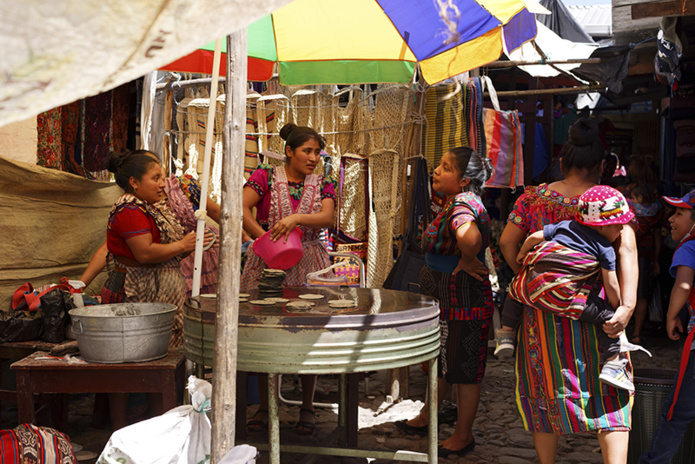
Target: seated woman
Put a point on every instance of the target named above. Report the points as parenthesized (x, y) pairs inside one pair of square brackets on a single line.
[(145, 246), (182, 197)]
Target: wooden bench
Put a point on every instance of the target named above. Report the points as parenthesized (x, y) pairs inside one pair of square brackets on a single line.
[(39, 373)]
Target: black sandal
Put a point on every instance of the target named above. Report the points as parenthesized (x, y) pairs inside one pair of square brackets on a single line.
[(404, 426), (305, 427), (257, 425)]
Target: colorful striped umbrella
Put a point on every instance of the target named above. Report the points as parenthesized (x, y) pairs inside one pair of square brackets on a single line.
[(369, 41)]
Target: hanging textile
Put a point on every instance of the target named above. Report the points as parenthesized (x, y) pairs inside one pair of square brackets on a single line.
[(384, 177), (97, 131), (474, 114), (49, 134), (446, 120), (78, 137), (503, 143), (71, 131)]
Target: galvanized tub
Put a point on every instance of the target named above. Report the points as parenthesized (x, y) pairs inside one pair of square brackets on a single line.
[(123, 332), (386, 329)]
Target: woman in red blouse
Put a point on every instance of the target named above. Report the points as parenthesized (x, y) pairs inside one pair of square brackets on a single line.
[(145, 245)]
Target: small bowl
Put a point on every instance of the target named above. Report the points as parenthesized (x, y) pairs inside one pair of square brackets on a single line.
[(280, 254)]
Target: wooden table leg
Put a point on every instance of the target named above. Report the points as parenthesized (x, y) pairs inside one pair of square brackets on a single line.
[(168, 390), (25, 398)]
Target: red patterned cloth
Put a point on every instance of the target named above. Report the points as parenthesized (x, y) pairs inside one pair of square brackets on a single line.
[(28, 444), (50, 140), (97, 131)]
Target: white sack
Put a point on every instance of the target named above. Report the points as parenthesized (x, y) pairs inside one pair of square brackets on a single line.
[(180, 436)]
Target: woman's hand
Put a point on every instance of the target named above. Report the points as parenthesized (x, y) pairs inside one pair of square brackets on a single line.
[(209, 240), (520, 257), (188, 242), (618, 322), (473, 267), (284, 226)]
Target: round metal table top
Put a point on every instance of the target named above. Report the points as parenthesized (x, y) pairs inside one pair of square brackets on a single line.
[(388, 305), (385, 329)]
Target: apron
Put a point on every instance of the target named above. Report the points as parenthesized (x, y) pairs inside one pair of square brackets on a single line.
[(159, 283), (315, 255)]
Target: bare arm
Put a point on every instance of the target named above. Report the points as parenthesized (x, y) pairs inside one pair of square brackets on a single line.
[(320, 220), (610, 283), (628, 274), (249, 200), (511, 238), (148, 252), (213, 210), (469, 241), (96, 264), (530, 242), (679, 295)]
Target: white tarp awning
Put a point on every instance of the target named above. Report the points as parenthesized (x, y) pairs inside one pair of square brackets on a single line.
[(54, 53), (555, 49)]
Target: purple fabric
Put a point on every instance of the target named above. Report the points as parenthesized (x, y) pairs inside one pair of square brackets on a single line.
[(519, 29)]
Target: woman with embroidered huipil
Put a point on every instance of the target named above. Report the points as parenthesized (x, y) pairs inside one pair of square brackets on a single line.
[(455, 274), (286, 197), (145, 246)]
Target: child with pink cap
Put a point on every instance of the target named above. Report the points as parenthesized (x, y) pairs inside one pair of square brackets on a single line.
[(561, 267)]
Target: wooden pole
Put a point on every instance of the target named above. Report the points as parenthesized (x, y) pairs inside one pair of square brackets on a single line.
[(205, 180), (579, 89), (511, 64), (167, 139), (226, 323)]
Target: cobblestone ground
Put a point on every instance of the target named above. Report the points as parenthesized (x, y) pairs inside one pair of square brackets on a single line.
[(499, 434)]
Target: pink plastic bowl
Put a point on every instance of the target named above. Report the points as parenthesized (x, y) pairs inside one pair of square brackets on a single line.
[(280, 254)]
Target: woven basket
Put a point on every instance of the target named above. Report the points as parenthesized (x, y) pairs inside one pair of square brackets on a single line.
[(652, 386)]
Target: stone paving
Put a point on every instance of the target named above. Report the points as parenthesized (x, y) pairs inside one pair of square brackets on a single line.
[(499, 434)]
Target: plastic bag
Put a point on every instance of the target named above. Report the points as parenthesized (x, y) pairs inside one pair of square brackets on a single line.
[(181, 436), (19, 326), (241, 454), (54, 307)]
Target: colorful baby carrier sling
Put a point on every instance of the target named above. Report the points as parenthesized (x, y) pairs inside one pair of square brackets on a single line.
[(555, 278), (688, 342)]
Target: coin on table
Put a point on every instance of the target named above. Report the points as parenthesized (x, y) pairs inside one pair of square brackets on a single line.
[(341, 303), (208, 295), (244, 295), (261, 302), (278, 300), (243, 300), (311, 296)]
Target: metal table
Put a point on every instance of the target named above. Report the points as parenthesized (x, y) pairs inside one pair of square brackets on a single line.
[(386, 329)]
